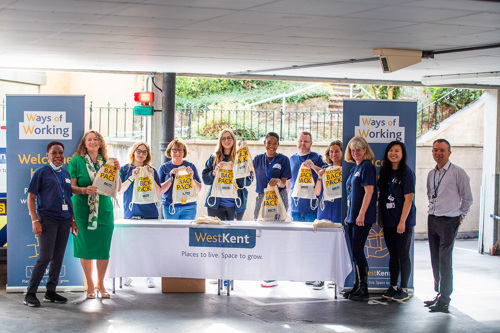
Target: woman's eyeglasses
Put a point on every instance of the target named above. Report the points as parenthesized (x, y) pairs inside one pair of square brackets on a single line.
[(227, 138), (141, 152), (177, 150)]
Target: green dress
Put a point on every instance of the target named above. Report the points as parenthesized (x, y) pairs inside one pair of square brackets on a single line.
[(90, 244)]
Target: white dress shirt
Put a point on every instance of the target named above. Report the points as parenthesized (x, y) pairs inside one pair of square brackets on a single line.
[(448, 191)]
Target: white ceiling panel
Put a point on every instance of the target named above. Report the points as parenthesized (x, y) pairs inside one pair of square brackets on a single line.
[(220, 36)]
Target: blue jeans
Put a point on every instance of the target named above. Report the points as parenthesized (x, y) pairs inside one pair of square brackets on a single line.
[(181, 213), (304, 217)]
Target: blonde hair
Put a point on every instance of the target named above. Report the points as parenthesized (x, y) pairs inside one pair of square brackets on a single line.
[(82, 150), (219, 149), (136, 145), (358, 143), (176, 142)]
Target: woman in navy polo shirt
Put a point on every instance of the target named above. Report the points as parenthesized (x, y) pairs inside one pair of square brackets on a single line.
[(397, 216), (271, 168), (140, 156), (49, 205), (225, 208), (361, 210), (177, 151)]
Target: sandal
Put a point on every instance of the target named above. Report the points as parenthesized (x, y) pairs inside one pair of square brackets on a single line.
[(103, 294), (90, 295)]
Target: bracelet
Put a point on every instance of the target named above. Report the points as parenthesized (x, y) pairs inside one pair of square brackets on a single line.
[(130, 179), (34, 221)]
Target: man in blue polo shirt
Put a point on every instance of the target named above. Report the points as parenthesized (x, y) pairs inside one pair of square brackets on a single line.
[(301, 210)]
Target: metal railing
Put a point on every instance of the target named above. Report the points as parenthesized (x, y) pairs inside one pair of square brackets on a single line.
[(255, 123), (117, 122), (430, 116)]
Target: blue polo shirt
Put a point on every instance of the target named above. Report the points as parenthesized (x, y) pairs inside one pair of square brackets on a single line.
[(333, 209), (304, 205), (146, 211), (391, 217), (48, 186), (264, 165), (361, 175), (164, 174)]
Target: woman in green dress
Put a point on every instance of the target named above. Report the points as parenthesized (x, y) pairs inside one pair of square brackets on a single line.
[(93, 212)]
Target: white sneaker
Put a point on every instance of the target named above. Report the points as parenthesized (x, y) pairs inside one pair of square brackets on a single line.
[(150, 282), (269, 284), (330, 285), (128, 281)]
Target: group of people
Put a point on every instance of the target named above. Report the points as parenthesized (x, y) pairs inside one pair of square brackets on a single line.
[(61, 201)]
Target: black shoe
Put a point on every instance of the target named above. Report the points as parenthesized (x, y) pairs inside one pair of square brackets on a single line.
[(360, 294), (401, 296), (439, 307), (31, 301), (318, 285), (52, 296), (346, 294), (432, 301), (389, 293)]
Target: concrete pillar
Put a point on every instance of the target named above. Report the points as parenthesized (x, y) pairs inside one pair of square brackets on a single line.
[(490, 202)]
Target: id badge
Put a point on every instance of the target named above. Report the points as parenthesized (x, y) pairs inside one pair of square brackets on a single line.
[(390, 205), (390, 197), (65, 207), (432, 204)]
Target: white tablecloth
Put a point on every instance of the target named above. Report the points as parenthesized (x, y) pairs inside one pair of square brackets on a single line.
[(271, 251)]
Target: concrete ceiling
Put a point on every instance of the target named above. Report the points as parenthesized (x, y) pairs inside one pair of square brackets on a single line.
[(214, 37)]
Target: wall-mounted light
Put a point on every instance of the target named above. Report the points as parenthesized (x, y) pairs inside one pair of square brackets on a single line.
[(145, 98)]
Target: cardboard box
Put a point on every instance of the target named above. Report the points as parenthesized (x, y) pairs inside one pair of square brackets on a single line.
[(182, 285)]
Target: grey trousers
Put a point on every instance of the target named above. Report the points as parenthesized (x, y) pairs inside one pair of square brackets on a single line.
[(442, 232), (52, 244)]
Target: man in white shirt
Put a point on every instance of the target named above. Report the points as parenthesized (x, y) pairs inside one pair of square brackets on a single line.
[(450, 198)]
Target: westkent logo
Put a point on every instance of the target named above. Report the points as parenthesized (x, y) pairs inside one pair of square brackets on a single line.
[(212, 237), (380, 129), (49, 125)]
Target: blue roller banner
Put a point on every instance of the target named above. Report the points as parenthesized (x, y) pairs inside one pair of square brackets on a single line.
[(32, 122), (379, 122)]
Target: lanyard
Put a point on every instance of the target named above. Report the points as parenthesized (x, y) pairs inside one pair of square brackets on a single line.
[(96, 166), (270, 168), (439, 181), (61, 184)]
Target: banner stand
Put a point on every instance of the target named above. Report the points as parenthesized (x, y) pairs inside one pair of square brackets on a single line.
[(379, 122), (32, 122)]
